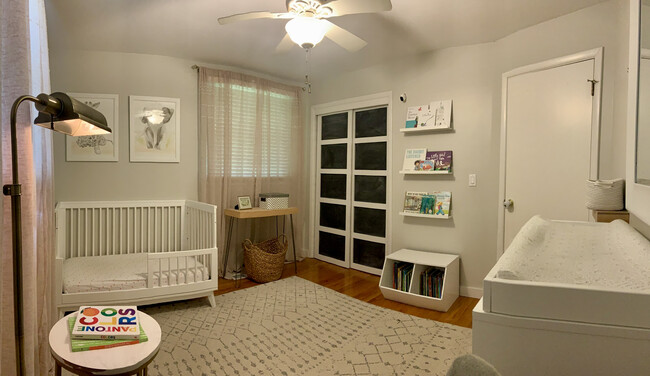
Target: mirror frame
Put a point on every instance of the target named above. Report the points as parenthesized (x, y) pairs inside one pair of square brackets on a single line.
[(637, 196)]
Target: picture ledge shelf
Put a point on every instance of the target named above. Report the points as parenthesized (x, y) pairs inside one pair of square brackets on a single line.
[(404, 214), (423, 130), (406, 172)]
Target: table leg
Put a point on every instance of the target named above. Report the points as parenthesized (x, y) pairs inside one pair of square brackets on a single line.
[(225, 265), (57, 369), (293, 241)]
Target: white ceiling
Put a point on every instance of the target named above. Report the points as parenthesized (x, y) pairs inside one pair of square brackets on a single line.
[(189, 29)]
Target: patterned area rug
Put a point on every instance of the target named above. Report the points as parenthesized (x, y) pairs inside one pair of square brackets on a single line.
[(296, 327)]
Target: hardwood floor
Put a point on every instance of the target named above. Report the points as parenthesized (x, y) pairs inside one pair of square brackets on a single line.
[(364, 287)]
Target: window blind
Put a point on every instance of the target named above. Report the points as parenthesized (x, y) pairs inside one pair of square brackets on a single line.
[(260, 143)]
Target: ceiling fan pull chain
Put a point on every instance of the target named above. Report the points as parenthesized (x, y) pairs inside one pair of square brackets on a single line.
[(307, 53)]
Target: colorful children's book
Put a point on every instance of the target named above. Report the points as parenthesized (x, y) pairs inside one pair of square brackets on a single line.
[(412, 117), (413, 201), (428, 204), (96, 344), (101, 322), (413, 158), (441, 160), (443, 203)]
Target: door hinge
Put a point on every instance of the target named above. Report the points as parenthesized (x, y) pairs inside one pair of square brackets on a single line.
[(593, 86)]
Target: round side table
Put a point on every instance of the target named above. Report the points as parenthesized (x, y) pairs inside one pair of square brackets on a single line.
[(115, 361)]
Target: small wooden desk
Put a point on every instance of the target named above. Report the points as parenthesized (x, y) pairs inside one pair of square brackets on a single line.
[(123, 360), (259, 213)]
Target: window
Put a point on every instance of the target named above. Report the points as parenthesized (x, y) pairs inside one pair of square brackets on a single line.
[(261, 128)]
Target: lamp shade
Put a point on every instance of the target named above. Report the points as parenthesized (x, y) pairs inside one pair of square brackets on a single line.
[(306, 31), (61, 113)]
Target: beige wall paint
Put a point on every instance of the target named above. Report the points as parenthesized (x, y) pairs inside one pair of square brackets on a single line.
[(471, 77), (127, 74)]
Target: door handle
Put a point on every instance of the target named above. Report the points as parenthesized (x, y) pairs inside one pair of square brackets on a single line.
[(508, 203)]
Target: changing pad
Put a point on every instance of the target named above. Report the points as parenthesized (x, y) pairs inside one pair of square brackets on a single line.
[(126, 272), (610, 255)]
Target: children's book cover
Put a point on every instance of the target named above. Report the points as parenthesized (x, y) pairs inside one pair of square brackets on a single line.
[(442, 205), (412, 117), (413, 201), (441, 114), (102, 322), (428, 205), (441, 160), (96, 344), (413, 159)]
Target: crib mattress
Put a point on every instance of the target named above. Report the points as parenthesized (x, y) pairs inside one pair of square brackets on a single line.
[(573, 271), (126, 272)]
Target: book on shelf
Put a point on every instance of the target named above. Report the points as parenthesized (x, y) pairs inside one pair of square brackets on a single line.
[(413, 201), (413, 158), (402, 273), (436, 204), (106, 322), (97, 344), (436, 114), (441, 160), (431, 282), (423, 160)]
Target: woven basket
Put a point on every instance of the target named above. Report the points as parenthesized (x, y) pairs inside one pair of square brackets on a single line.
[(605, 194), (264, 261)]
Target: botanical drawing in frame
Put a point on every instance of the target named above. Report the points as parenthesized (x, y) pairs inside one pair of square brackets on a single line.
[(97, 148), (154, 129)]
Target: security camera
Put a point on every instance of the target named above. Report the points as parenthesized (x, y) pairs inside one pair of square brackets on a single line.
[(402, 98)]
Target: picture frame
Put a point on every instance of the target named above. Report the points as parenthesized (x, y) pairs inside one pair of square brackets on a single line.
[(154, 129), (97, 148), (244, 202)]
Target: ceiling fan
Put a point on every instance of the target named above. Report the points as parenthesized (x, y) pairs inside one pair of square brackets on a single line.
[(308, 22)]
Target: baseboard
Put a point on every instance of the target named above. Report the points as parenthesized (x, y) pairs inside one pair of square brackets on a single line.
[(472, 292)]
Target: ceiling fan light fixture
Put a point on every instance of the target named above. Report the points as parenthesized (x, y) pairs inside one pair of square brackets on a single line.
[(306, 31)]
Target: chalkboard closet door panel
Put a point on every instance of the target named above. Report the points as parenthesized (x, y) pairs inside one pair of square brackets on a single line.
[(353, 187)]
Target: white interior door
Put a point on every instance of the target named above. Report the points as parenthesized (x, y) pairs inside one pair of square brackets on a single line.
[(551, 142)]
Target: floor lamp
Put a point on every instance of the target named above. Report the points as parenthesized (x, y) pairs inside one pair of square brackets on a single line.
[(59, 113)]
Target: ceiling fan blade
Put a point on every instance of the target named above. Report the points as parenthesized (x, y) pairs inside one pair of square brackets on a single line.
[(343, 7), (285, 44), (344, 38), (252, 16)]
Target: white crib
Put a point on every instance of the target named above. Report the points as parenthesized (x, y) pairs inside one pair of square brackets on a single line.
[(134, 252)]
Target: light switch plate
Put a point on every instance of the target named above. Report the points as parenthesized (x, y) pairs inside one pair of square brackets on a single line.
[(472, 180)]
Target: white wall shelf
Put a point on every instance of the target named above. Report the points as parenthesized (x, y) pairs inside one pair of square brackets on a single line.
[(425, 130), (422, 261), (404, 214), (404, 172)]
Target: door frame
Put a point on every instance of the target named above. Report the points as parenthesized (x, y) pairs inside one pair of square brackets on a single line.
[(595, 54), (350, 104)]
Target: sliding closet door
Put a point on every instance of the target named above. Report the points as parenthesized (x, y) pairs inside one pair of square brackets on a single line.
[(353, 189), (334, 181), (369, 179)]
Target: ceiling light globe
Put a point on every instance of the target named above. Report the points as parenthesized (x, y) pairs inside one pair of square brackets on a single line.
[(306, 31)]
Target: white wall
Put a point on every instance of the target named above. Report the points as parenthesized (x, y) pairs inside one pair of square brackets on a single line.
[(127, 74), (471, 77)]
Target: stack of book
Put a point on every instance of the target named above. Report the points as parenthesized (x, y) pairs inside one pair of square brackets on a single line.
[(402, 273), (102, 327), (431, 282)]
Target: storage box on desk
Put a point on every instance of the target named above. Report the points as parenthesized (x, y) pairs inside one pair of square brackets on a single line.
[(274, 200)]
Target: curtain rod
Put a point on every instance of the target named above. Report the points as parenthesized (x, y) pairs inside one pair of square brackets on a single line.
[(195, 67)]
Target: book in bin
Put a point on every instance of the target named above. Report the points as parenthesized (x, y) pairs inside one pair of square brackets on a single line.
[(96, 344), (106, 322)]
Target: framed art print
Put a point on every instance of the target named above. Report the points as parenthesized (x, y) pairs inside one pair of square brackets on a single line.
[(96, 148), (154, 129)]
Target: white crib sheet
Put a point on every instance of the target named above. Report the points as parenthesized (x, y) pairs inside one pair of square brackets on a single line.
[(126, 272)]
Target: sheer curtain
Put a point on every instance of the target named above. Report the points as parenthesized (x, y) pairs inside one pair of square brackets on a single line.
[(250, 140), (24, 69)]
